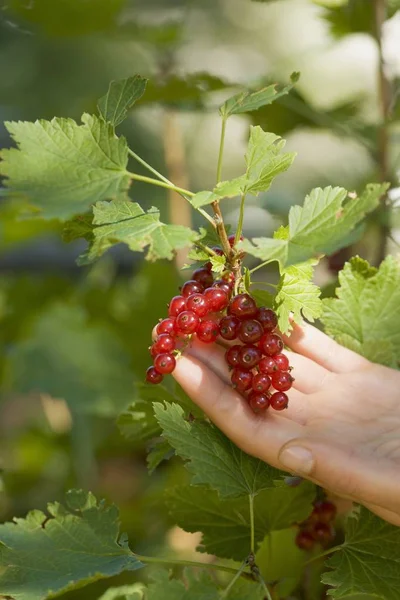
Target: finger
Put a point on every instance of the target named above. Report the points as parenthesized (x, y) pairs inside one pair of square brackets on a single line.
[(388, 515), (261, 436), (314, 344), (347, 472), (309, 377)]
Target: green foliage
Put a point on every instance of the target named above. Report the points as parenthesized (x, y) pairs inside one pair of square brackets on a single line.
[(225, 524), (89, 368), (135, 591), (353, 16), (212, 458), (364, 316), (368, 561), (62, 168), (318, 227), (124, 221), (245, 102), (121, 96), (42, 555)]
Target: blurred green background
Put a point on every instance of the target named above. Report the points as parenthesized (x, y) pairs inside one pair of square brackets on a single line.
[(74, 341)]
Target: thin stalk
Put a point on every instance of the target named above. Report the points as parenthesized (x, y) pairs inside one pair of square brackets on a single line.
[(240, 220), (168, 186), (221, 149), (205, 248), (380, 15), (226, 591), (322, 554), (190, 563), (148, 167), (252, 540), (265, 587), (273, 285), (263, 264)]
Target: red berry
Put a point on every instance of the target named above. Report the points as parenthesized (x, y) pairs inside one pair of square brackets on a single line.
[(258, 402), (164, 363), (324, 511), (217, 299), (271, 344), (250, 331), (232, 355), (249, 356), (218, 250), (279, 401), (198, 304), (282, 381), (166, 326), (268, 365), (203, 276), (176, 306), (261, 382), (191, 287), (282, 362), (153, 376), (207, 331), (323, 533), (153, 351), (228, 327), (164, 343), (187, 322), (243, 307), (267, 318), (241, 379), (222, 285), (231, 239), (305, 540)]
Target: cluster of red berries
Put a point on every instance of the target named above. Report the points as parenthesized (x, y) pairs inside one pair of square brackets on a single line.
[(205, 308), (318, 528)]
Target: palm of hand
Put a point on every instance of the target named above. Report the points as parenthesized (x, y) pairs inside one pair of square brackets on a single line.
[(343, 409)]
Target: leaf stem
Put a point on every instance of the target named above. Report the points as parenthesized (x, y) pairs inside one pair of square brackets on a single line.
[(263, 264), (325, 553), (226, 591), (264, 585), (252, 537), (240, 220), (221, 149), (190, 563), (205, 248), (163, 184), (148, 167)]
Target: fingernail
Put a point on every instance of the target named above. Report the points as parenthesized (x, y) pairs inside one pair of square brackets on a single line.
[(297, 460)]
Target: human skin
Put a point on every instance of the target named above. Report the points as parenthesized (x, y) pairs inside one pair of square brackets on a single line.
[(342, 427)]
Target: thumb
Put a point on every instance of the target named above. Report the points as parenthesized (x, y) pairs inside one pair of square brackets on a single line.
[(348, 472)]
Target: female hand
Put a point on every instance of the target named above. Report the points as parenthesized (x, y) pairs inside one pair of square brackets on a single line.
[(342, 427)]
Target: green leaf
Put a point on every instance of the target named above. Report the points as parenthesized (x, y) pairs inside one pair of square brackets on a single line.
[(365, 315), (62, 168), (68, 357), (297, 294), (121, 96), (160, 451), (368, 561), (225, 524), (135, 591), (212, 458), (123, 221), (248, 101), (44, 555), (199, 586), (265, 160), (203, 198), (318, 227), (218, 264)]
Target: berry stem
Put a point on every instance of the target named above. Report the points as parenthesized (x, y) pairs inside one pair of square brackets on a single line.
[(325, 553), (226, 591), (221, 149), (240, 220), (264, 585), (252, 540), (190, 563), (261, 265), (205, 248)]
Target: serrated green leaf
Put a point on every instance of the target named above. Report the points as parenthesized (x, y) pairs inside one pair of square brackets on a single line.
[(203, 198), (231, 188), (62, 168), (123, 221), (160, 451), (218, 263), (68, 357), (318, 227), (297, 294), (44, 555), (121, 96), (135, 591), (368, 561), (265, 160), (365, 315), (249, 101), (212, 458), (225, 524)]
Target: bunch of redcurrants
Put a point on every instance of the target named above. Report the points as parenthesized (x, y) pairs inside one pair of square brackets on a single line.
[(318, 528)]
